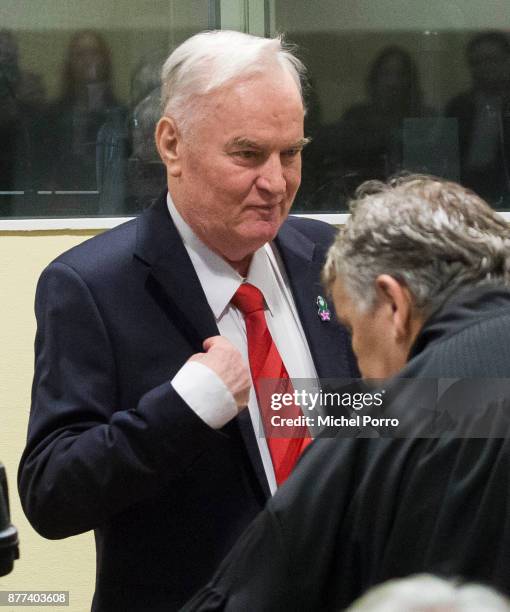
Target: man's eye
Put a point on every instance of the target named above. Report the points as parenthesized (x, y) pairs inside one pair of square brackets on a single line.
[(290, 153), (246, 154)]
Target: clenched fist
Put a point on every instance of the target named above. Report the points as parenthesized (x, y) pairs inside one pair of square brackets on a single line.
[(224, 359)]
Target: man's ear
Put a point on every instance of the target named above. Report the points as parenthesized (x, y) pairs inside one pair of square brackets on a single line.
[(168, 141), (399, 305)]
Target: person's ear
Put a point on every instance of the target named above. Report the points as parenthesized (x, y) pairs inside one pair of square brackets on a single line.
[(168, 142), (398, 303)]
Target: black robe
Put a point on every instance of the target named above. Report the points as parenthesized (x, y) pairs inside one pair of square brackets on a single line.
[(358, 511)]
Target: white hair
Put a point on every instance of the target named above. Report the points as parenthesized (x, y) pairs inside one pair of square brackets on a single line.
[(427, 593), (433, 235), (209, 60)]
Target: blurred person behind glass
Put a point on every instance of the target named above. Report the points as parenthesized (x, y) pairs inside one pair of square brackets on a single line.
[(375, 147), (367, 142), (483, 114), (22, 98), (146, 77), (145, 171), (86, 124)]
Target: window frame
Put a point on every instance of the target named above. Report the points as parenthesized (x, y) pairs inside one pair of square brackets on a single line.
[(104, 223)]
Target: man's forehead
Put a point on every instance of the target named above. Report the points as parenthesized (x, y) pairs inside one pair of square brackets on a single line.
[(252, 113), (273, 85)]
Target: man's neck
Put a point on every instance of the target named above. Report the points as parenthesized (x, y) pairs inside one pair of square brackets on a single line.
[(242, 266)]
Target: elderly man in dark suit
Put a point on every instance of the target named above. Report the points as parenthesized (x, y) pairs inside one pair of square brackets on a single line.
[(421, 276), (151, 336)]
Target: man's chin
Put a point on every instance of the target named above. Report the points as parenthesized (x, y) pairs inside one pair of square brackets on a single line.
[(265, 232), (246, 245), (243, 241)]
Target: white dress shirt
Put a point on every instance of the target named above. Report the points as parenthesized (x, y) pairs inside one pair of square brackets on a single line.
[(200, 387)]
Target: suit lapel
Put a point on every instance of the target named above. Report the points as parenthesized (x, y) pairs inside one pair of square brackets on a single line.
[(160, 248), (328, 341)]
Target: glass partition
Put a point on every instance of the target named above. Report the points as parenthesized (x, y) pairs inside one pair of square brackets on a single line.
[(79, 98), (402, 85), (395, 85)]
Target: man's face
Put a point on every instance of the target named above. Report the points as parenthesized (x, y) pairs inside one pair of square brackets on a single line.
[(239, 167), (87, 59), (374, 343)]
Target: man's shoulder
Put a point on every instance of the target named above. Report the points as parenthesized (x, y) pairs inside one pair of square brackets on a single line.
[(106, 251), (314, 230), (467, 340)]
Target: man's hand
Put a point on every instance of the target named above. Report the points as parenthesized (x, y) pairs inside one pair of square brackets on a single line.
[(224, 359)]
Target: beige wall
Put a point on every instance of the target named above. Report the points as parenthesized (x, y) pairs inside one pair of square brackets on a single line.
[(44, 565)]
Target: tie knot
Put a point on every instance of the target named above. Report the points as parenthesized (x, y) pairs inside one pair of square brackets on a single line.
[(248, 299)]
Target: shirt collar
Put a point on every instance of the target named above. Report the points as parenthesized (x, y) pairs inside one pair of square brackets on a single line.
[(218, 279)]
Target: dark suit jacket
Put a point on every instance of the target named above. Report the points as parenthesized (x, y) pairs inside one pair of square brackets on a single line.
[(111, 446), (359, 511)]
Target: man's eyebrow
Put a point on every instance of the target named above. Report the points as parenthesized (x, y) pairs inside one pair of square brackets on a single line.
[(250, 144), (243, 142), (302, 142)]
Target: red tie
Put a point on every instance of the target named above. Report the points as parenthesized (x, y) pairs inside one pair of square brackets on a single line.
[(266, 363)]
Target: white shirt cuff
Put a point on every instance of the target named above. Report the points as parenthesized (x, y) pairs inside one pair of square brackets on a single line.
[(205, 393)]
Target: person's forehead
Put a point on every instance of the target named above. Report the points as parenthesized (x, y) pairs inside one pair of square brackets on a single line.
[(275, 88), (87, 43), (263, 111)]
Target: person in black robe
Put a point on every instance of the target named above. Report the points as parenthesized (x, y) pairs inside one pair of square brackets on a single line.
[(420, 275)]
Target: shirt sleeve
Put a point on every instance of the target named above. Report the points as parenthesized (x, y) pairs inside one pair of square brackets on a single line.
[(205, 393)]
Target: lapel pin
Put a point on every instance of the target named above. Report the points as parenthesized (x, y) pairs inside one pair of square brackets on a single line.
[(323, 312)]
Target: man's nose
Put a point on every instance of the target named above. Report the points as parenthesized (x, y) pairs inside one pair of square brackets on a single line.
[(272, 177)]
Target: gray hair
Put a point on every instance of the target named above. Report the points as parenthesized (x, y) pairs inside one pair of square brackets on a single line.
[(431, 234), (208, 60), (427, 593)]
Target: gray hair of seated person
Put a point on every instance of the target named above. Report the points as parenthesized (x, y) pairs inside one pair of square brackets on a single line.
[(427, 593), (209, 60), (432, 235)]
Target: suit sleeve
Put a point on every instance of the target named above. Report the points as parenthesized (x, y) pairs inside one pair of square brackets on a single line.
[(86, 457)]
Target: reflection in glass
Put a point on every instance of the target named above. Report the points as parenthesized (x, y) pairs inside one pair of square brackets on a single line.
[(367, 142), (86, 130), (378, 83), (146, 174), (22, 100), (402, 86), (78, 106), (483, 116)]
